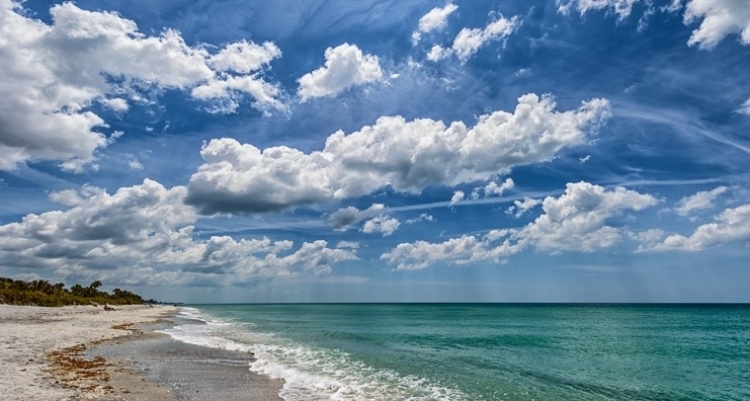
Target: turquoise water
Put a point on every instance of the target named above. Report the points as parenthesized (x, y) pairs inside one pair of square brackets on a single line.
[(487, 352)]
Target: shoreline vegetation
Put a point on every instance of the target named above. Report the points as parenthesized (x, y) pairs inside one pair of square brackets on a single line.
[(44, 293)]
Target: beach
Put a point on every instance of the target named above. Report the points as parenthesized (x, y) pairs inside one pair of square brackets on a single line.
[(86, 353), (42, 347), (372, 352)]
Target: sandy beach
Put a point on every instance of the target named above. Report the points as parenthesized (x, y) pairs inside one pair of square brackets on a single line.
[(43, 351)]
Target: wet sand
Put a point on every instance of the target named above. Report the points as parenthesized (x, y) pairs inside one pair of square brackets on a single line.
[(191, 372), (85, 353)]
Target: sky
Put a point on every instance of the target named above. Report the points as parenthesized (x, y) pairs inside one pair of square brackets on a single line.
[(378, 151)]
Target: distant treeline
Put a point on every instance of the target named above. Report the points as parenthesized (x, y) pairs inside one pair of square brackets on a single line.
[(43, 293)]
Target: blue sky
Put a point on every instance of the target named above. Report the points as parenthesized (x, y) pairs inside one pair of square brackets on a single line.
[(379, 151)]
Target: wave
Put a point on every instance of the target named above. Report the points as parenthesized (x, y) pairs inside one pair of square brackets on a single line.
[(309, 372)]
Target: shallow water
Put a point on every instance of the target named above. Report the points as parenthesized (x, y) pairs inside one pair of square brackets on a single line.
[(486, 352), (191, 373)]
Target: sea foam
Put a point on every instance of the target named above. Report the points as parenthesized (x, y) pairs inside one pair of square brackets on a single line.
[(309, 373)]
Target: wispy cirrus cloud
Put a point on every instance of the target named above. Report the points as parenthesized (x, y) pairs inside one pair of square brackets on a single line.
[(718, 18), (622, 8)]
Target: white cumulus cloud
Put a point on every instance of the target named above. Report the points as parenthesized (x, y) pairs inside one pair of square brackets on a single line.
[(731, 225), (135, 165), (699, 200), (519, 208), (458, 196), (348, 216), (575, 221), (381, 224), (469, 40), (422, 254), (492, 189), (434, 20), (51, 74), (346, 66), (437, 53), (719, 18), (403, 155), (348, 244), (147, 229), (116, 104)]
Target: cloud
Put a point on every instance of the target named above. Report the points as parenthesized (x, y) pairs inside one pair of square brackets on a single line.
[(348, 244), (422, 217), (622, 8), (520, 207), (227, 92), (346, 66), (575, 221), (697, 201), (731, 225), (745, 109), (469, 40), (116, 104), (405, 156), (134, 164), (346, 217), (51, 74), (148, 229), (132, 218), (314, 257), (493, 189), (434, 20), (381, 224), (343, 219), (648, 238), (438, 53), (720, 18), (422, 254), (458, 196), (244, 57)]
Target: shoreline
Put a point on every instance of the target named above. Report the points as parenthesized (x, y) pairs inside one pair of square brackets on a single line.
[(42, 352), (85, 353), (191, 372)]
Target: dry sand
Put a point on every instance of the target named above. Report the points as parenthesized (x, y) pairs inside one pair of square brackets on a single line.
[(41, 353)]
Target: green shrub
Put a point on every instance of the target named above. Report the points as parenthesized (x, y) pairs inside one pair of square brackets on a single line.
[(43, 293)]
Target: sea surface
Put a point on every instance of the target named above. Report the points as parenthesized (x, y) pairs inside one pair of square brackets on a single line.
[(485, 352)]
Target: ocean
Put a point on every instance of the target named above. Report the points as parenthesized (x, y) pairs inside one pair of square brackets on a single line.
[(485, 351)]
